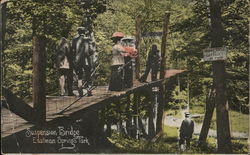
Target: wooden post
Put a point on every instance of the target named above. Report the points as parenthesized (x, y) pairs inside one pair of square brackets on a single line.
[(162, 72), (136, 112), (137, 45), (108, 131), (219, 79), (141, 127), (119, 110), (164, 44), (151, 126), (39, 71), (128, 115), (95, 128), (17, 106)]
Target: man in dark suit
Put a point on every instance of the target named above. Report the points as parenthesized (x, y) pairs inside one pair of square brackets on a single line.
[(186, 130)]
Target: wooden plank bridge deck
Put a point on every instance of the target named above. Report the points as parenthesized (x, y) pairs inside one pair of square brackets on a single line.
[(11, 123)]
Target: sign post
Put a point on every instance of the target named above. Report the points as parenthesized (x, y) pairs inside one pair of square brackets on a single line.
[(219, 81), (162, 88)]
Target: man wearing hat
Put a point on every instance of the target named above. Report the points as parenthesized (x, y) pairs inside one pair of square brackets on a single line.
[(186, 130), (153, 64), (81, 52)]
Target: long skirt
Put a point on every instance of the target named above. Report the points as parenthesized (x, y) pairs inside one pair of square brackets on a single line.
[(128, 73), (116, 82)]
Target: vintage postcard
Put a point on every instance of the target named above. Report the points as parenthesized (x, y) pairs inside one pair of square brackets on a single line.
[(124, 76)]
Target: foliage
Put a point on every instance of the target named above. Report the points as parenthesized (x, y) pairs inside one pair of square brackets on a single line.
[(50, 19), (189, 34), (128, 145), (179, 98), (196, 28)]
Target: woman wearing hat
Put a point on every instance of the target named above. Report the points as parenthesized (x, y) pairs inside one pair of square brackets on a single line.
[(117, 73)]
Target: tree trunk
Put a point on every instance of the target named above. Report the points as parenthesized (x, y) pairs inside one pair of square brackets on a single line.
[(39, 71), (164, 44), (2, 35), (222, 117), (2, 24), (162, 73), (210, 105)]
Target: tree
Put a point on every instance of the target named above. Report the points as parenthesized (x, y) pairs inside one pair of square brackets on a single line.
[(222, 119)]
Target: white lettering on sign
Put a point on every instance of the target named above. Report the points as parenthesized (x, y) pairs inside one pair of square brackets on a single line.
[(215, 54)]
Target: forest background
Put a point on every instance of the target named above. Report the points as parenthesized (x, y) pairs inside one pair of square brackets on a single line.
[(188, 36)]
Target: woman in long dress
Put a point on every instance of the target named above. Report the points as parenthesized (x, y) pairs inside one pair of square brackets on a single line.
[(117, 72)]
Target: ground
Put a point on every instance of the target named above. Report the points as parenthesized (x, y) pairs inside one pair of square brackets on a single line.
[(168, 143)]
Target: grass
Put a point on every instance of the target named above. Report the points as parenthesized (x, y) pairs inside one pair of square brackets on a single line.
[(175, 113), (170, 131), (239, 122), (171, 134), (240, 146), (171, 137)]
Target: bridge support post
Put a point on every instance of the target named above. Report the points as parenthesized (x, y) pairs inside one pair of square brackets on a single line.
[(121, 128), (151, 125), (135, 132), (128, 115), (97, 129), (92, 127), (18, 106)]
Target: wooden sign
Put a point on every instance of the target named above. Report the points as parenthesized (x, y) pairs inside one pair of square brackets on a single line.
[(152, 34), (215, 54)]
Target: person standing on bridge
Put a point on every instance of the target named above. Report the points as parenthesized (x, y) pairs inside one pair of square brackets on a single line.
[(153, 64), (117, 72), (186, 130), (64, 65), (128, 44), (81, 53)]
